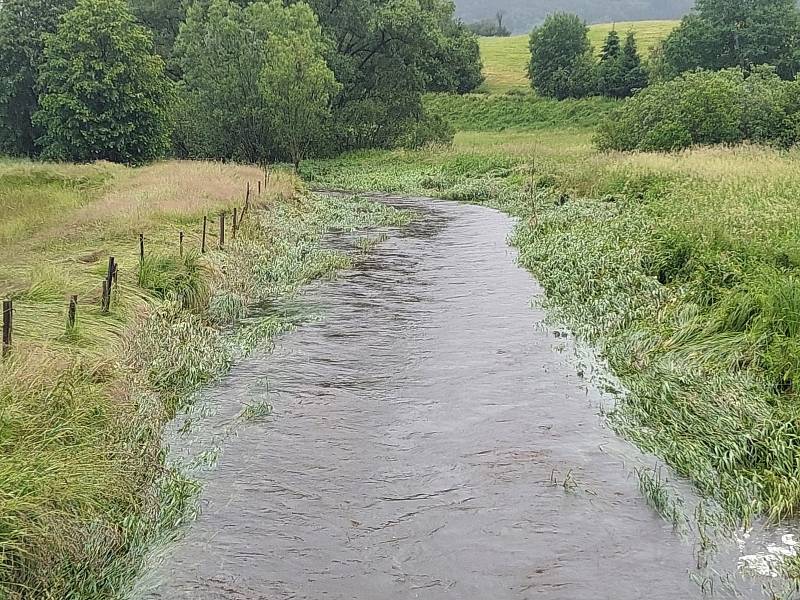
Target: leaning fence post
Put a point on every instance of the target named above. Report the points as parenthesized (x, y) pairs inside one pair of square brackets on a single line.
[(205, 229), (108, 284), (8, 325), (72, 313), (221, 230)]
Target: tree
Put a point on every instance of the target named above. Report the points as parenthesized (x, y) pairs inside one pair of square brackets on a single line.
[(164, 19), (104, 93), (228, 104), (455, 64), (23, 27), (383, 55), (634, 73), (621, 72), (298, 88), (736, 33), (562, 65), (610, 76), (491, 27)]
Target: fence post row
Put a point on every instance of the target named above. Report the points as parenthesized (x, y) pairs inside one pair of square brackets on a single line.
[(8, 325)]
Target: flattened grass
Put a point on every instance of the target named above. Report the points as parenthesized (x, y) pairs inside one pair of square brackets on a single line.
[(681, 269), (84, 485)]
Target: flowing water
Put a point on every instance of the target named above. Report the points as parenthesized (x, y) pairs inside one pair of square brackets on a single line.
[(428, 440)]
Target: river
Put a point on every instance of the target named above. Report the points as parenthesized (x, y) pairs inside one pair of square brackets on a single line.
[(429, 439)]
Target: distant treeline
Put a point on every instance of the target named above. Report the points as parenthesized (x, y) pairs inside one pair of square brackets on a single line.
[(257, 81), (522, 15)]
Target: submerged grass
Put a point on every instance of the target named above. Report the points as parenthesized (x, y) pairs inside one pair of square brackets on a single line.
[(85, 486), (683, 270)]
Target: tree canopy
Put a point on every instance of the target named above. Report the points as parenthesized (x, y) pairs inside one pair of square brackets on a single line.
[(23, 27), (562, 65), (736, 33), (105, 92)]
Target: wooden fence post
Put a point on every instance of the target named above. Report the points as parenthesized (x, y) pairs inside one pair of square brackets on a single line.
[(221, 230), (205, 229), (111, 277), (259, 187), (235, 221), (180, 243), (141, 248), (8, 325), (105, 302), (72, 313)]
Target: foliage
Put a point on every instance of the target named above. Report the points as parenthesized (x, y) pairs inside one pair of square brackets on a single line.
[(105, 94), (702, 108), (385, 57), (561, 64), (506, 60), (223, 51), (298, 88), (621, 72), (164, 19), (455, 65), (723, 34), (24, 24)]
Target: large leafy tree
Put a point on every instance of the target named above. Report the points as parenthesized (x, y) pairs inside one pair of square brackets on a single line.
[(384, 57), (104, 92), (164, 19), (561, 63), (23, 27), (223, 50), (736, 33), (298, 88)]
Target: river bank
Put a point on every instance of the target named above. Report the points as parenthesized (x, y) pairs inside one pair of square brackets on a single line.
[(679, 269), (86, 489)]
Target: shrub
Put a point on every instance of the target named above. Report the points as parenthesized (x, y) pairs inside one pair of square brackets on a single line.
[(705, 108)]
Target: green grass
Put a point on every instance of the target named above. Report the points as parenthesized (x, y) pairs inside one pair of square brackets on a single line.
[(485, 112), (506, 59), (85, 488), (683, 270)]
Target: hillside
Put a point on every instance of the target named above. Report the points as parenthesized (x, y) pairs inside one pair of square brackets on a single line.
[(506, 59), (522, 15)]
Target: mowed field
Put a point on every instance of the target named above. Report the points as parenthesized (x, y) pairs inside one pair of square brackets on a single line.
[(506, 59)]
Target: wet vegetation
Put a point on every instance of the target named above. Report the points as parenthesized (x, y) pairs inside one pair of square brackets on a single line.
[(86, 489)]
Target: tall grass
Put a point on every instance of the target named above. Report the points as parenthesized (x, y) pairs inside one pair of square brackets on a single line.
[(682, 270), (84, 486)]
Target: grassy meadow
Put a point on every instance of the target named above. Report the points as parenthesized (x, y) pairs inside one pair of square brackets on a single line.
[(85, 489), (505, 60)]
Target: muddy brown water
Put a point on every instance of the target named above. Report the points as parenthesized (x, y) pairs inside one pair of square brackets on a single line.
[(428, 440)]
